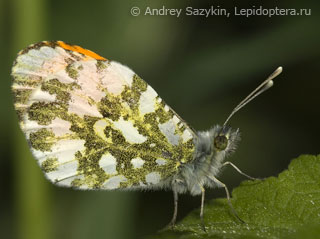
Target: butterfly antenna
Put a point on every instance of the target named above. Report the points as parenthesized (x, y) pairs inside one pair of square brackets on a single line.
[(259, 90)]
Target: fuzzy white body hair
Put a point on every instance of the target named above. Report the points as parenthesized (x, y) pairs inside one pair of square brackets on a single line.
[(207, 162)]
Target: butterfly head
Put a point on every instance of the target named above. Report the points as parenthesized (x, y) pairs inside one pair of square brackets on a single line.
[(224, 138), (219, 141)]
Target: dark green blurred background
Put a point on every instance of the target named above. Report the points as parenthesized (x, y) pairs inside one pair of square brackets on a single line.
[(202, 67)]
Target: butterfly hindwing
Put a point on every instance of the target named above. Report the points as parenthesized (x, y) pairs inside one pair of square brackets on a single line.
[(93, 123)]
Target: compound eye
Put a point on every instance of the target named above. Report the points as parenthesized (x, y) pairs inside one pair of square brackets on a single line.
[(220, 142)]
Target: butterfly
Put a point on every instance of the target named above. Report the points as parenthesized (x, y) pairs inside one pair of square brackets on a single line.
[(92, 123)]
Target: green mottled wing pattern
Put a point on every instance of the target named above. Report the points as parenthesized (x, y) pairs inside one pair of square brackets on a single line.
[(93, 123)]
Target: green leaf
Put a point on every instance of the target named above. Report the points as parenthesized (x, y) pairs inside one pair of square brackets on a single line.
[(284, 207)]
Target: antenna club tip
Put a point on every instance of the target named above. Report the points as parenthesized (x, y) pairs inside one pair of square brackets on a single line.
[(260, 89), (269, 84), (279, 69), (275, 73)]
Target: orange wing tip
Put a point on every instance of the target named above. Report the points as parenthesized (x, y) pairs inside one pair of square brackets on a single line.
[(80, 50)]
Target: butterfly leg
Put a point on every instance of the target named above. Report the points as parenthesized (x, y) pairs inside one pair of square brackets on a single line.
[(175, 210), (221, 184), (202, 207), (239, 171)]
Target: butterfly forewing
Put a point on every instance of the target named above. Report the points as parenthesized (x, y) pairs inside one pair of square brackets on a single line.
[(93, 123)]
